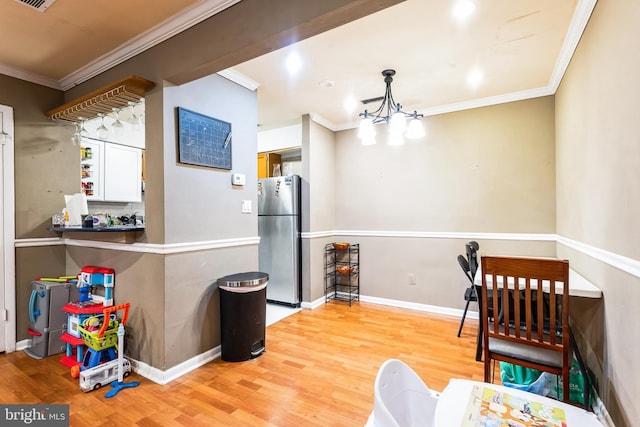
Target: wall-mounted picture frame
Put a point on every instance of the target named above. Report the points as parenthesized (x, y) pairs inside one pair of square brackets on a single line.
[(203, 140)]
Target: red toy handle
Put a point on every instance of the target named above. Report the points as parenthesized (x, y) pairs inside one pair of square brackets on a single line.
[(107, 312), (34, 333)]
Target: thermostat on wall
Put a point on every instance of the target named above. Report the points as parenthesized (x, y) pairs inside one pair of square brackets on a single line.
[(238, 179)]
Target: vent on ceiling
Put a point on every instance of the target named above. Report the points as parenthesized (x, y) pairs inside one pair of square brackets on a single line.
[(370, 100), (39, 5)]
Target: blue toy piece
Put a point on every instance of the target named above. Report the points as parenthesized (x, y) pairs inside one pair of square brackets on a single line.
[(93, 358), (120, 384)]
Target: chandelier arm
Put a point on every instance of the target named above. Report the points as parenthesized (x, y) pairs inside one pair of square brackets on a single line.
[(388, 105)]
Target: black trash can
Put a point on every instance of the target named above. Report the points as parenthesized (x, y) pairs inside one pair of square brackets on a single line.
[(243, 315)]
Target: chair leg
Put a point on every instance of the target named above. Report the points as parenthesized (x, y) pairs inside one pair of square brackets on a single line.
[(479, 344), (466, 307), (487, 369)]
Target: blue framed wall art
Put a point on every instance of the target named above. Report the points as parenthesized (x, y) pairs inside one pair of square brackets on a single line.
[(203, 140)]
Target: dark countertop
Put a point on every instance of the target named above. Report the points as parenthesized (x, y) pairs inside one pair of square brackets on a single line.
[(97, 229)]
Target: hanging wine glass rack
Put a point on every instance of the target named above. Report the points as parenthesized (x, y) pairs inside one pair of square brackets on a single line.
[(103, 100)]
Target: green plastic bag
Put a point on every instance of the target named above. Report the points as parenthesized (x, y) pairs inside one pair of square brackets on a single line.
[(543, 383), (576, 385), (526, 379)]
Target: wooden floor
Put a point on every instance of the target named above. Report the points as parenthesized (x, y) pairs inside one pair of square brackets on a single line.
[(318, 370)]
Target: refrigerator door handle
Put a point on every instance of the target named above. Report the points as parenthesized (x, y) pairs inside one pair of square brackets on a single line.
[(32, 307), (34, 333)]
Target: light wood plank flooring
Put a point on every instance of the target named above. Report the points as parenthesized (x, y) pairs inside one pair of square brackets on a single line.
[(318, 370)]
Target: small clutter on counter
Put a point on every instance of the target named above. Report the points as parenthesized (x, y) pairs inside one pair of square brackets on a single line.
[(75, 208), (97, 220)]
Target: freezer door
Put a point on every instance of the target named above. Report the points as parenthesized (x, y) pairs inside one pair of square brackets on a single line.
[(279, 254), (279, 195), (39, 306)]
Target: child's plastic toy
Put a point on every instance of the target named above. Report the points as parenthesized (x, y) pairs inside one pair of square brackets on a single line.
[(93, 379), (103, 334), (89, 278), (99, 334)]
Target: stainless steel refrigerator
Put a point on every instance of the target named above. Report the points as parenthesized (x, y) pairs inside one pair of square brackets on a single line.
[(279, 231)]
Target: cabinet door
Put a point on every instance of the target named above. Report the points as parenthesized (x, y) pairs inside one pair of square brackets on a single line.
[(262, 165), (92, 170), (122, 173), (272, 160)]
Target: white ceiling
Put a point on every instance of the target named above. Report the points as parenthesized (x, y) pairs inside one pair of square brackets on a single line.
[(522, 48)]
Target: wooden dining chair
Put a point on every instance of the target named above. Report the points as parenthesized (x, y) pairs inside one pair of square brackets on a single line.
[(533, 329)]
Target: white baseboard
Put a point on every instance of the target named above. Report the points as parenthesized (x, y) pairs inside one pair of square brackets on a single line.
[(21, 345), (420, 307), (164, 377), (313, 304)]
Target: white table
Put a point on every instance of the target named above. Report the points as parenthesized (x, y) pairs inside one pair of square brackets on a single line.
[(578, 285), (452, 408)]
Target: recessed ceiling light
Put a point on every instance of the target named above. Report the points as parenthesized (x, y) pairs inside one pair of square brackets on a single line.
[(462, 10), (326, 83), (293, 63), (350, 104), (475, 78)]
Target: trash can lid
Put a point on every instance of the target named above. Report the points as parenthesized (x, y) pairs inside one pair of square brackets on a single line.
[(243, 280)]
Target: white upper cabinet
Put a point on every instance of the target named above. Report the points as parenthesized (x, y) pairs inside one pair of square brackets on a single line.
[(122, 173)]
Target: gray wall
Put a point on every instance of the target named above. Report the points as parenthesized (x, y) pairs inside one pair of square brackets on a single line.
[(202, 205), (42, 154), (200, 202), (598, 152)]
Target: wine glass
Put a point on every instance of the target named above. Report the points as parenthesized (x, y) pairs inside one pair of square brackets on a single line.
[(102, 131), (84, 133), (118, 127), (76, 138), (142, 109), (133, 118)]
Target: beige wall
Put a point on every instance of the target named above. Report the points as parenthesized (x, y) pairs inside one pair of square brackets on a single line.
[(489, 169), (318, 177), (598, 152), (486, 170)]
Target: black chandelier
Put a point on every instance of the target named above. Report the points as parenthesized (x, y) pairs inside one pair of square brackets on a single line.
[(391, 113)]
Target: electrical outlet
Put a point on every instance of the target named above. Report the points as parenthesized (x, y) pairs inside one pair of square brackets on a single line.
[(412, 279)]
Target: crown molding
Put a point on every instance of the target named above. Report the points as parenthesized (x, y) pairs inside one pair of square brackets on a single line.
[(30, 77), (576, 28), (323, 121), (239, 78), (182, 21)]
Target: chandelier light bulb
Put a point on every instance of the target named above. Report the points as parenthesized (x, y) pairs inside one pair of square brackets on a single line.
[(366, 130), (415, 130), (398, 122)]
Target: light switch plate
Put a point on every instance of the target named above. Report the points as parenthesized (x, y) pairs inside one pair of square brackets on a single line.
[(246, 206)]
